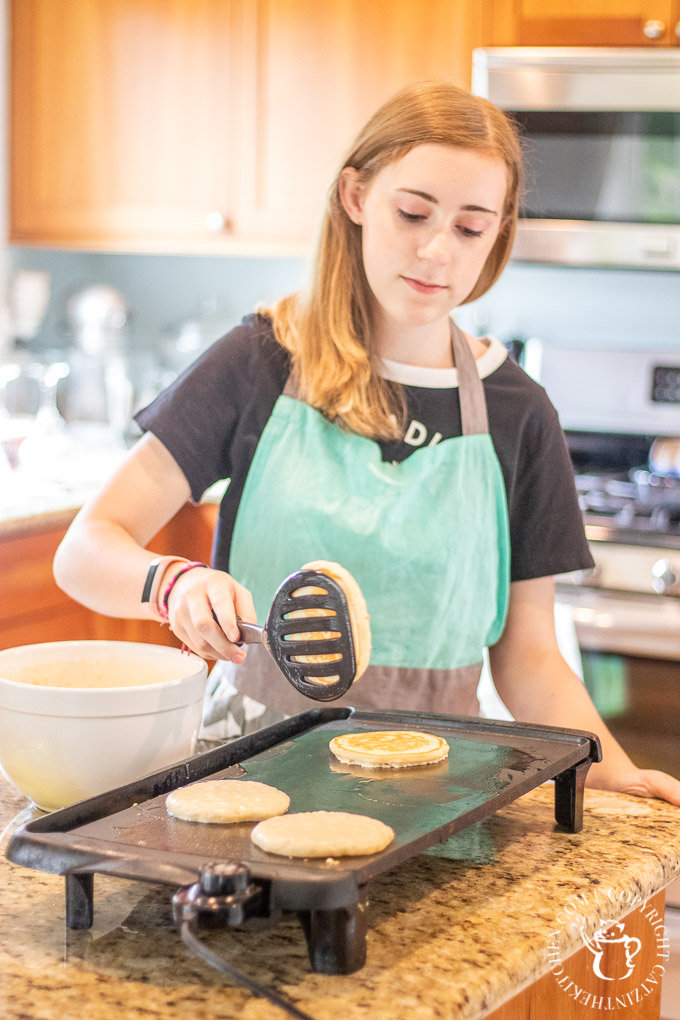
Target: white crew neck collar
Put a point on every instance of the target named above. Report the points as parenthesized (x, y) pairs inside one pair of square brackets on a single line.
[(444, 378)]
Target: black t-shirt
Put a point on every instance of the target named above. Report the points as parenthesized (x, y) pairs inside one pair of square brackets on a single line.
[(212, 416)]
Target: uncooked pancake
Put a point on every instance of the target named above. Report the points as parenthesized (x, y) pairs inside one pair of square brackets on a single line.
[(226, 800), (389, 748), (322, 834), (358, 615)]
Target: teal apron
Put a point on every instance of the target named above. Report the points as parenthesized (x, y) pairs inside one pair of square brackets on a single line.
[(427, 540)]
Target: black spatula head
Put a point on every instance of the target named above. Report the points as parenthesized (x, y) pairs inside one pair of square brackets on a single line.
[(281, 632)]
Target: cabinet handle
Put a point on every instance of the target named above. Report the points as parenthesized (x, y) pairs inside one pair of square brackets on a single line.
[(654, 29), (216, 222), (677, 29)]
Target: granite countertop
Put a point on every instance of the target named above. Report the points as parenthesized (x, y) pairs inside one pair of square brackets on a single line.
[(40, 505), (52, 496), (449, 936)]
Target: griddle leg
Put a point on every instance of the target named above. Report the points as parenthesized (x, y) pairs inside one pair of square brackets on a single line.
[(569, 796), (79, 900), (336, 939)]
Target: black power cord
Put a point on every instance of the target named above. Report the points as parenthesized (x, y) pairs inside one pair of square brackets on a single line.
[(188, 932), (222, 894)]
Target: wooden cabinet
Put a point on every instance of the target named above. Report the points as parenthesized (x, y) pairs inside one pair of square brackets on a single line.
[(211, 125), (573, 991), (312, 73), (33, 609), (120, 119), (582, 22)]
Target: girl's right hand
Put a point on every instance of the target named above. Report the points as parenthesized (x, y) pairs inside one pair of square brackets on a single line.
[(202, 610)]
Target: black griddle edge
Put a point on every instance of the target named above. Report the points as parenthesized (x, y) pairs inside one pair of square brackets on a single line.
[(331, 905)]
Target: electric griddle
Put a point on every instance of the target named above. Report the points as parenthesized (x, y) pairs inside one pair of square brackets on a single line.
[(224, 879)]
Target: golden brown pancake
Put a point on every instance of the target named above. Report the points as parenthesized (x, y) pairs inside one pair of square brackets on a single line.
[(322, 834), (226, 800), (389, 748)]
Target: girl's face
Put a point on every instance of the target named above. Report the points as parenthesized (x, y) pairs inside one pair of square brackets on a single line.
[(429, 221)]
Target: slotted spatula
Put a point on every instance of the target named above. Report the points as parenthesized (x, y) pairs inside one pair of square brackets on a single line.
[(278, 635)]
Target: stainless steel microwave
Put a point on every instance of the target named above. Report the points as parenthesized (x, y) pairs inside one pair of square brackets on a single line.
[(601, 139)]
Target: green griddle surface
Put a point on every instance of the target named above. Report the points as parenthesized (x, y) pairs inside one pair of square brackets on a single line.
[(488, 766)]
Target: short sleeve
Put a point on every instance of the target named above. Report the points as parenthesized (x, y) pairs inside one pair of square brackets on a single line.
[(546, 527), (198, 418)]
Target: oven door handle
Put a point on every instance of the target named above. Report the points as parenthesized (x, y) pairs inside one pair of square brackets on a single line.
[(625, 624)]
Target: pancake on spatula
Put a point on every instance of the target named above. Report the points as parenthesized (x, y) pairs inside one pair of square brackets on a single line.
[(322, 834), (226, 800), (394, 749), (358, 614)]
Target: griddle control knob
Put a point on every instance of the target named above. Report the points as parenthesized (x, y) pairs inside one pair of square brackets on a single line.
[(224, 878)]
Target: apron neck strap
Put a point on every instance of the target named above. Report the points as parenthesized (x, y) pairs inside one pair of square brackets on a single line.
[(291, 387), (474, 419)]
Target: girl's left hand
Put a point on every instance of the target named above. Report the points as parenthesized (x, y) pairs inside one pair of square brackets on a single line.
[(640, 783)]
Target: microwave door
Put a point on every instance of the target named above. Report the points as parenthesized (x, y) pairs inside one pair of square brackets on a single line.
[(601, 135), (606, 166), (603, 187)]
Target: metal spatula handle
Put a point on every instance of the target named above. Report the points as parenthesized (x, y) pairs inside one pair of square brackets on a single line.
[(251, 633)]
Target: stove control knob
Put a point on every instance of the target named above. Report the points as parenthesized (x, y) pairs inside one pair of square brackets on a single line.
[(587, 578), (665, 578)]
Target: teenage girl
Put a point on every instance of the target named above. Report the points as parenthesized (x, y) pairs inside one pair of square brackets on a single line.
[(357, 423)]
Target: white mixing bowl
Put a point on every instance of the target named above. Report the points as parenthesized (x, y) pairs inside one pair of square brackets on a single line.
[(60, 744)]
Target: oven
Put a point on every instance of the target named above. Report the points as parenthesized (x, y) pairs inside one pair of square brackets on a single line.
[(627, 620), (620, 410), (627, 612), (621, 415)]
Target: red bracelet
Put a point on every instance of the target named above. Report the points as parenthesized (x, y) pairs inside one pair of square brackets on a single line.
[(163, 604)]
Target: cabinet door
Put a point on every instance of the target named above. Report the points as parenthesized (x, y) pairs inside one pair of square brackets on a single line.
[(581, 22), (33, 609), (311, 74), (135, 122), (120, 122)]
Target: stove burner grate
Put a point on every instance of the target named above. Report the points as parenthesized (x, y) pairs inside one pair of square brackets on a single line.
[(639, 500)]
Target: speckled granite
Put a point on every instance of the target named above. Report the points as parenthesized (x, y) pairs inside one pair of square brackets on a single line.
[(449, 937), (51, 506), (13, 523)]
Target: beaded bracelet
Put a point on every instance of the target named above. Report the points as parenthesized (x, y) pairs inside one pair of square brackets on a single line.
[(163, 604)]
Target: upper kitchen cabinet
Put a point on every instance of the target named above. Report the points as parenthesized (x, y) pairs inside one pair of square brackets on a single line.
[(120, 119), (582, 22), (204, 125), (312, 73)]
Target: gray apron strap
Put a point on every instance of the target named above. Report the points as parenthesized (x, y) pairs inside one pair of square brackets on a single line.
[(474, 419), (473, 414), (291, 387)]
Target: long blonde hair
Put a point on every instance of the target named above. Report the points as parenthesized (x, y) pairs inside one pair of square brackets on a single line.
[(327, 327)]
